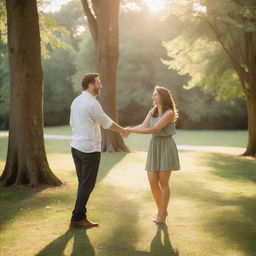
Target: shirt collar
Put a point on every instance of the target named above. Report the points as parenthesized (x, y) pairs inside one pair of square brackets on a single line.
[(87, 93)]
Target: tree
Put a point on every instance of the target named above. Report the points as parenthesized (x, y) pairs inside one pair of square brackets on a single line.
[(103, 19), (233, 25), (26, 158)]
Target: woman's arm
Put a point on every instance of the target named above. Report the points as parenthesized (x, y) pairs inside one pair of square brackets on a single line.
[(167, 118), (145, 123)]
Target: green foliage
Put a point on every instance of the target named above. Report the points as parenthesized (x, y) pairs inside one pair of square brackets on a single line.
[(61, 66), (140, 69), (51, 32), (206, 64), (4, 88), (3, 35), (71, 16), (84, 61), (201, 110), (51, 38), (58, 92), (200, 55)]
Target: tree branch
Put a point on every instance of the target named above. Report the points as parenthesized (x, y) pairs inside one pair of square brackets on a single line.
[(91, 20), (238, 46), (243, 76)]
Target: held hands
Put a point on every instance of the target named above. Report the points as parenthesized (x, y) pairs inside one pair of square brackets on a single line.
[(129, 129), (125, 133)]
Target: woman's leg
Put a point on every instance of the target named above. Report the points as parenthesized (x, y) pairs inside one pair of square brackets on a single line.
[(164, 177), (153, 178)]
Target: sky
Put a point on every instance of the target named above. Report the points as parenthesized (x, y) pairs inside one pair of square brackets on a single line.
[(154, 5), (54, 5)]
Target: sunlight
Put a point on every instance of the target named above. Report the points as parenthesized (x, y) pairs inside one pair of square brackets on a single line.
[(80, 29), (155, 5), (53, 5), (199, 9)]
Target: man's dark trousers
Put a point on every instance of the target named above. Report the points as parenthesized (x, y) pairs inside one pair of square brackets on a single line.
[(87, 165)]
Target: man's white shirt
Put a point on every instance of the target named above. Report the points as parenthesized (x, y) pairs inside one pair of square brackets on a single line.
[(86, 116)]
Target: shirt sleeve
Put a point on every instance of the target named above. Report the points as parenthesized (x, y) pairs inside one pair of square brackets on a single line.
[(71, 117), (100, 116)]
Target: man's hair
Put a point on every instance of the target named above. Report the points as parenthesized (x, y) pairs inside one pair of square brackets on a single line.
[(89, 78)]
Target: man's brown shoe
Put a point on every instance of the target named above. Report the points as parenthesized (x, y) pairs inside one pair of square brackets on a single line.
[(85, 223)]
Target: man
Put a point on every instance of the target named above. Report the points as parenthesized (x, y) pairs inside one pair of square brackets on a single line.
[(85, 119)]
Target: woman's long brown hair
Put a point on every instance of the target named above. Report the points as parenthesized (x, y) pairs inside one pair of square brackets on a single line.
[(166, 100)]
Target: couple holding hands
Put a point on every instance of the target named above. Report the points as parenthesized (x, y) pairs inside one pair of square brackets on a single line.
[(87, 116)]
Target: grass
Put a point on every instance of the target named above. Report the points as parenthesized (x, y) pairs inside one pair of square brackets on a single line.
[(211, 212)]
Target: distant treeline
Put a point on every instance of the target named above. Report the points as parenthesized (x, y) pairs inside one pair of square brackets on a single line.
[(140, 69)]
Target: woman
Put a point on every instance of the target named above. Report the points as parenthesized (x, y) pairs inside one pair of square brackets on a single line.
[(162, 156)]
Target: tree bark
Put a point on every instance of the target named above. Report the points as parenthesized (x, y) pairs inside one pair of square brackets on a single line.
[(26, 157), (250, 91), (251, 109), (104, 25)]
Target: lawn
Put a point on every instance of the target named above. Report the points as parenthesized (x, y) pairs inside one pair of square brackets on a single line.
[(211, 212)]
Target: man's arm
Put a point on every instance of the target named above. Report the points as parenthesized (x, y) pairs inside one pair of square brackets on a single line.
[(105, 121), (117, 128)]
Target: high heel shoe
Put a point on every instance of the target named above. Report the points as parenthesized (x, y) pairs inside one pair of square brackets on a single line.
[(156, 217), (161, 217)]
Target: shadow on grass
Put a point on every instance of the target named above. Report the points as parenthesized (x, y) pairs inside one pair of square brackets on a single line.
[(236, 225), (81, 245), (232, 168), (232, 217), (108, 161), (13, 199), (240, 229), (119, 232), (126, 232), (19, 202), (119, 227), (160, 246)]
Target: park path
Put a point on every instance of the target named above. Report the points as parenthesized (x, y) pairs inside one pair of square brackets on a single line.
[(220, 149)]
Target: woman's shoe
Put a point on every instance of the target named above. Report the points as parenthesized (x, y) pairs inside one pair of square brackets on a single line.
[(161, 217), (155, 220), (156, 217)]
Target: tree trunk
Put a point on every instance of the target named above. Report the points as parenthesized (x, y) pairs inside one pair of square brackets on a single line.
[(26, 158), (107, 55), (251, 108), (105, 32), (250, 91)]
